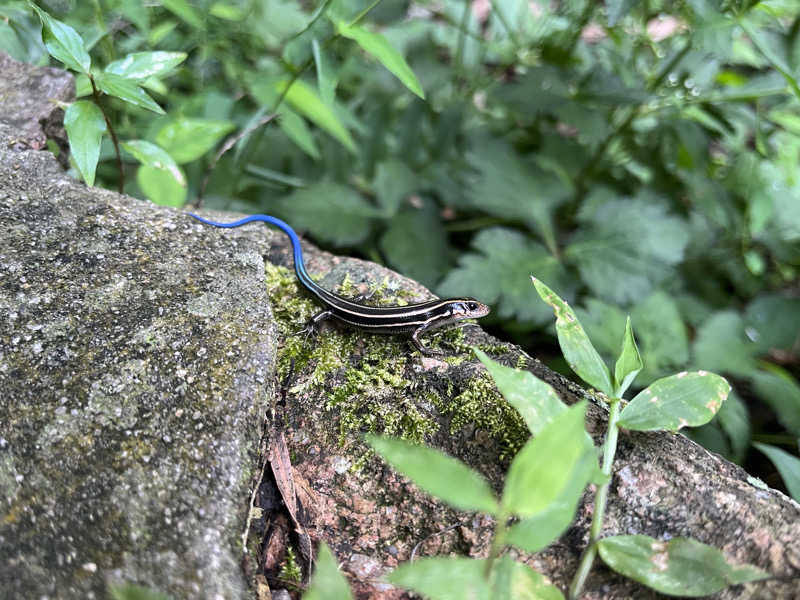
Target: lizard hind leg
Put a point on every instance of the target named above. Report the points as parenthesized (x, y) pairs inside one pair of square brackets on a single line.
[(312, 326)]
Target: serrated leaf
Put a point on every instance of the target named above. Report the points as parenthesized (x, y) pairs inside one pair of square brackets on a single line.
[(415, 243), (63, 42), (575, 345), (679, 567), (535, 401), (444, 578), (85, 127), (626, 247), (327, 78), (781, 392), (628, 364), (495, 273), (141, 65), (377, 45), (327, 583), (444, 477), (507, 186), (512, 580), (725, 329), (186, 139), (685, 399), (127, 90), (788, 466), (561, 458), (331, 212)]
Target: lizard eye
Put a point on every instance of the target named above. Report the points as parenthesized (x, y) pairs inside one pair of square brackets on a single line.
[(472, 306)]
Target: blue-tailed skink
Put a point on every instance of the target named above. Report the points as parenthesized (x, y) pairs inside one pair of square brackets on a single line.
[(414, 319)]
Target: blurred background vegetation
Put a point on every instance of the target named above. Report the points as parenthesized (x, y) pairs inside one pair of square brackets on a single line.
[(638, 156)]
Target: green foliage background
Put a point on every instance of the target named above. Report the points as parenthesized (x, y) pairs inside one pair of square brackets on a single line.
[(640, 157)]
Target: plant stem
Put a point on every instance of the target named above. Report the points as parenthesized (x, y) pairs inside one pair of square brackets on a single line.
[(600, 499), (498, 541), (111, 132)]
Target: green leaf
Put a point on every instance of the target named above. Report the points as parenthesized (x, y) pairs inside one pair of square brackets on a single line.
[(626, 247), (141, 65), (735, 422), (575, 344), (673, 402), (187, 139), (618, 9), (415, 243), (679, 567), (63, 42), (781, 392), (127, 90), (628, 364), (11, 44), (773, 321), (85, 127), (512, 580), (499, 270), (535, 401), (161, 187), (438, 474), (184, 11), (536, 533), (507, 186), (131, 591), (376, 45), (394, 182), (722, 345), (296, 129), (304, 100), (443, 578), (327, 78), (331, 212), (328, 583), (223, 10), (661, 334), (152, 156), (788, 466), (562, 457), (773, 48)]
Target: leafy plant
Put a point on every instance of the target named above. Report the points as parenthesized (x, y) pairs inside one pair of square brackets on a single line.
[(640, 156), (86, 121), (547, 478)]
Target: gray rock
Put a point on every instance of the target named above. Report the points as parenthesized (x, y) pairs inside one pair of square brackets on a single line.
[(121, 457)]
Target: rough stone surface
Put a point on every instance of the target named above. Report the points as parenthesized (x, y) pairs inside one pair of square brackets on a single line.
[(27, 103), (137, 363), (122, 458)]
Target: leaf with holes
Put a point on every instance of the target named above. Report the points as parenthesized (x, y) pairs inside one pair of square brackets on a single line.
[(678, 567), (685, 399)]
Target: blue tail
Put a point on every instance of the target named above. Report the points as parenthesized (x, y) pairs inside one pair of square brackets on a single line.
[(299, 266)]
